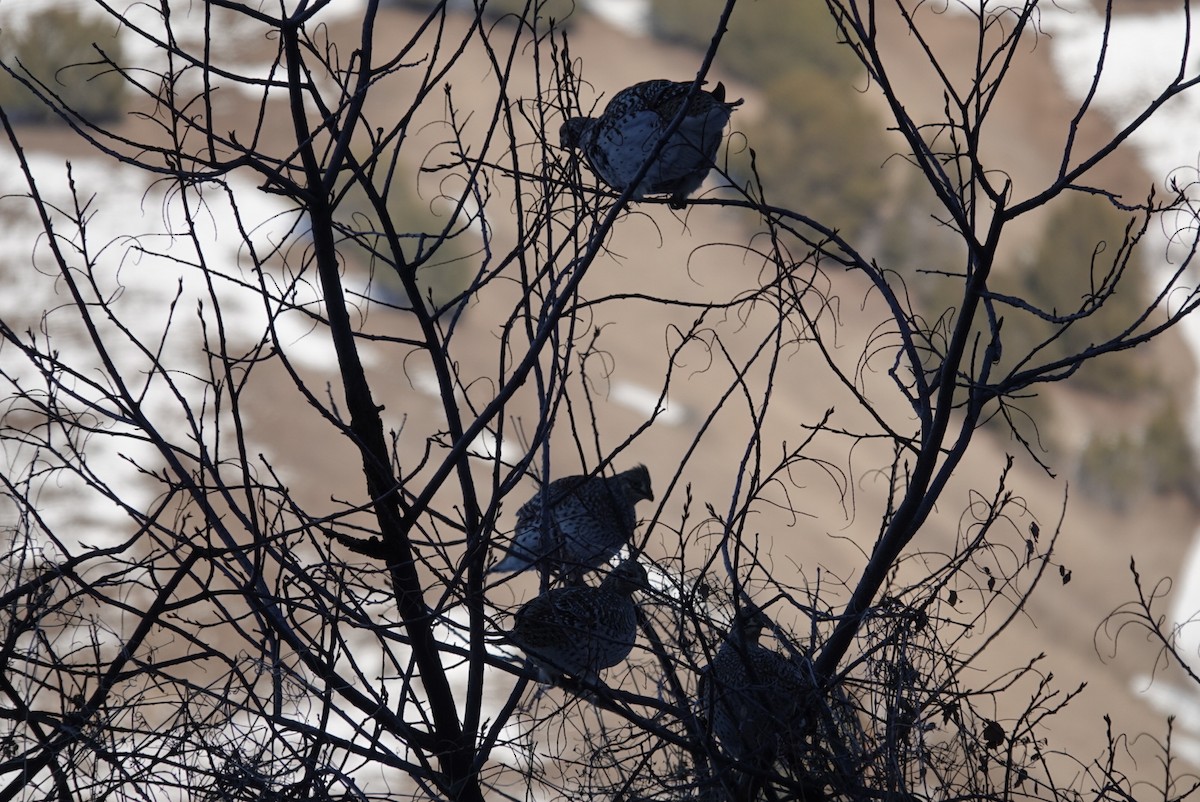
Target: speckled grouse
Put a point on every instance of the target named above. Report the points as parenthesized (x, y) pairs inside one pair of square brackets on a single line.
[(578, 631), (587, 521), (755, 698), (617, 143)]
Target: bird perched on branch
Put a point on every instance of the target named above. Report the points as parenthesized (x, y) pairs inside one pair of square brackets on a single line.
[(755, 698), (776, 718), (579, 631), (617, 143), (577, 523)]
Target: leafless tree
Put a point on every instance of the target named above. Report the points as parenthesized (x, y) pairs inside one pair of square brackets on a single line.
[(240, 568)]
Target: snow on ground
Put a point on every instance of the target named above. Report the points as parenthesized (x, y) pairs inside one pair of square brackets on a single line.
[(146, 271), (1142, 55), (645, 402), (629, 16)]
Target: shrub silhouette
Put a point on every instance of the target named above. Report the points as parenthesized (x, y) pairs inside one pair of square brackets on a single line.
[(56, 50)]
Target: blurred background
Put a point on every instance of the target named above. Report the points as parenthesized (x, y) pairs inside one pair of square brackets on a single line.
[(1119, 438)]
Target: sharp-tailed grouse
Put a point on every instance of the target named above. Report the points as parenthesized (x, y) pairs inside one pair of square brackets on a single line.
[(577, 523), (579, 631), (617, 143), (755, 699)]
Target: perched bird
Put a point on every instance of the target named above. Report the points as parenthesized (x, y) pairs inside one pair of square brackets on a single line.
[(577, 631), (617, 143), (778, 721), (754, 698), (578, 522)]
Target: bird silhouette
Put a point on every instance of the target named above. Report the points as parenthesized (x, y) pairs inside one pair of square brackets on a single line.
[(774, 717), (617, 143), (580, 630), (755, 698), (577, 523)]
